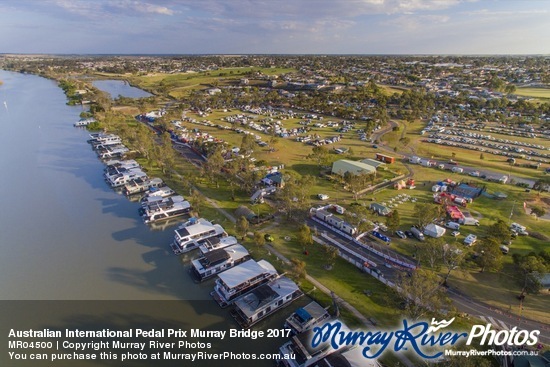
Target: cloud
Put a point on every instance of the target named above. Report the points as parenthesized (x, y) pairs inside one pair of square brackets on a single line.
[(142, 7)]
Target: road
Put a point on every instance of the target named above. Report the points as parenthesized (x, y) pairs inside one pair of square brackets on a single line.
[(488, 314)]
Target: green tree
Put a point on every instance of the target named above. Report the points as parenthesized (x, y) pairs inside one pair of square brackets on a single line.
[(305, 237), (298, 268), (421, 293), (196, 200), (431, 251), (542, 184), (259, 239), (538, 211), (241, 227), (393, 220), (425, 213), (531, 268), (489, 254), (500, 231), (213, 166), (319, 154), (331, 253), (247, 144), (452, 259)]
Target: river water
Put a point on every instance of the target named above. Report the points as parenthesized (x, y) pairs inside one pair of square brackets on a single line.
[(66, 236), (120, 88)]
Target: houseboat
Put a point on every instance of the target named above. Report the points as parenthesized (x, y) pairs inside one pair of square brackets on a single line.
[(265, 300), (216, 261), (305, 318), (116, 166), (103, 138), (216, 243), (84, 122), (189, 234), (241, 279), (123, 178), (168, 208), (140, 185), (300, 347), (162, 192), (113, 152)]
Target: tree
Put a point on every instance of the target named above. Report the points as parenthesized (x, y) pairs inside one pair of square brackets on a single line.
[(259, 239), (214, 165), (319, 154), (542, 184), (538, 211), (305, 237), (356, 183), (196, 200), (452, 259), (489, 255), (421, 292), (248, 144), (298, 268), (425, 213), (431, 251), (499, 231), (531, 268), (332, 253), (241, 226), (393, 220)]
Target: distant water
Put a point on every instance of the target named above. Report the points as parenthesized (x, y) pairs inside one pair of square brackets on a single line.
[(120, 88), (64, 234)]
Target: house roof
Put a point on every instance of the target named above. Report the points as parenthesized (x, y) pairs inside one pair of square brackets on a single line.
[(344, 165), (373, 162)]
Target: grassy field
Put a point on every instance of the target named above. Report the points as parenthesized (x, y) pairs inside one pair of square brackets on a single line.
[(498, 289), (540, 93)]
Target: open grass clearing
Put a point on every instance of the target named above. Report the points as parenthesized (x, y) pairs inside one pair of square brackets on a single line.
[(542, 93)]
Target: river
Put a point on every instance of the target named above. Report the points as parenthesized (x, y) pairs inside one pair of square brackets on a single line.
[(120, 88), (71, 245)]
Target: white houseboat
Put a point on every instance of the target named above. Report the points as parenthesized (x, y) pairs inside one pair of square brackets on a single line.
[(103, 138), (241, 279), (116, 166), (112, 152), (121, 179), (305, 318), (140, 185), (324, 354), (162, 192), (189, 234), (216, 261), (216, 243), (167, 208), (265, 300), (84, 122)]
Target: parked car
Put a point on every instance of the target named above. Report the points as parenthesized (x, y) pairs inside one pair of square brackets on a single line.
[(474, 173), (455, 233), (401, 234), (322, 197), (409, 234)]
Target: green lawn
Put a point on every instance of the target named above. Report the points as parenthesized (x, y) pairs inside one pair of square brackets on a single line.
[(542, 93)]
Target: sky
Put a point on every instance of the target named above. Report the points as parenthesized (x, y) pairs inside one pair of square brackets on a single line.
[(275, 26)]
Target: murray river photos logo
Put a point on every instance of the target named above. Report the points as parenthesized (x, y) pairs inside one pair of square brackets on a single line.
[(427, 340)]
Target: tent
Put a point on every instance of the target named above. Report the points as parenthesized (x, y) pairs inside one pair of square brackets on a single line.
[(433, 230)]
